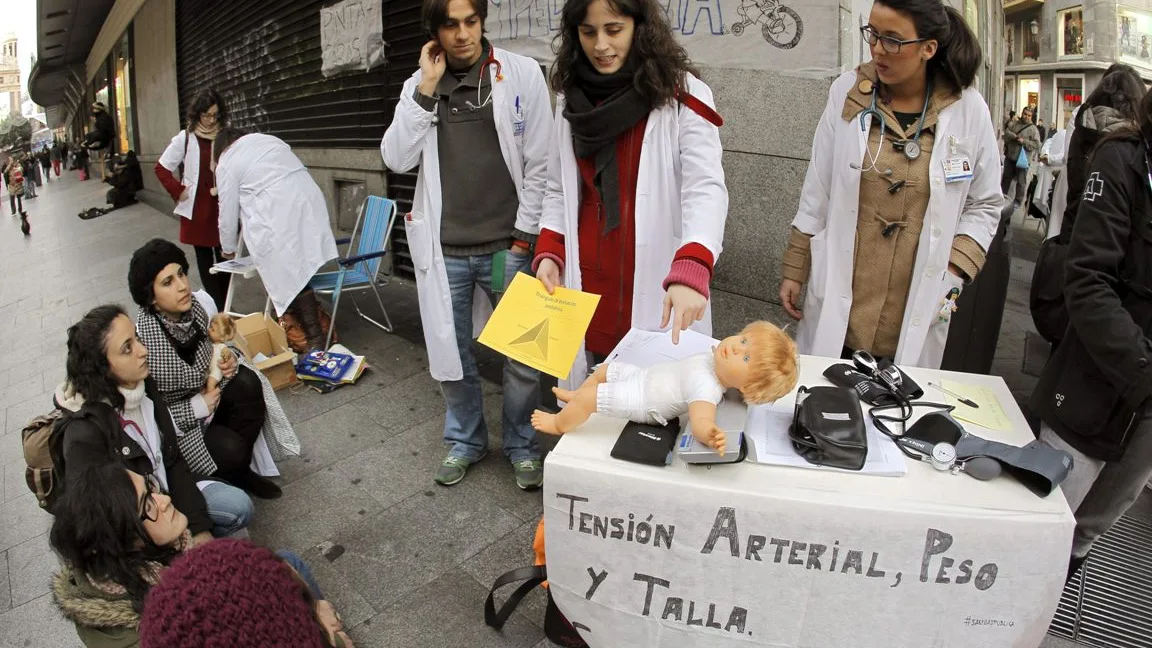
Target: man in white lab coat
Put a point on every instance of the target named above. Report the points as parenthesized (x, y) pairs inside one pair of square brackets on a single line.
[(478, 121), (263, 184)]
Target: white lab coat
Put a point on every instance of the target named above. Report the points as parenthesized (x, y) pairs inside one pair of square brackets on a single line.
[(522, 109), (1053, 149), (832, 187), (1060, 188), (260, 181), (681, 198), (184, 148)]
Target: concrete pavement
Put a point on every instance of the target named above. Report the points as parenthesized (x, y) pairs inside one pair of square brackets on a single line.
[(406, 562)]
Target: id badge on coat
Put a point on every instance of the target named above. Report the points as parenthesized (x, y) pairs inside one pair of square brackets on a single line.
[(957, 168)]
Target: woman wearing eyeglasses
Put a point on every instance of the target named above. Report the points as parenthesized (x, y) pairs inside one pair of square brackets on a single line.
[(902, 196), (115, 532), (190, 154), (112, 413), (118, 533)]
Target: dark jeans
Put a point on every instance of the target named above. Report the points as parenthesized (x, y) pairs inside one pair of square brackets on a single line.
[(216, 285), (14, 200), (237, 423), (1012, 172)]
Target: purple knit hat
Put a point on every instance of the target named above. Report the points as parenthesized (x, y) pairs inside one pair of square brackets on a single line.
[(229, 593)]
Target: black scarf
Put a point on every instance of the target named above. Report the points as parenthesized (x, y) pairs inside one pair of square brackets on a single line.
[(184, 335), (599, 108)]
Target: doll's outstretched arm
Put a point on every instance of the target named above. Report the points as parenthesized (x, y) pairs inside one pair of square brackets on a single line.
[(702, 416)]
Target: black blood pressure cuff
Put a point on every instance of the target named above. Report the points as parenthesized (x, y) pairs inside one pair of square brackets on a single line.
[(647, 444), (867, 389), (828, 428)]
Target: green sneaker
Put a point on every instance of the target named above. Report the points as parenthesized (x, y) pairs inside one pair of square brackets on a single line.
[(529, 474), (451, 470)]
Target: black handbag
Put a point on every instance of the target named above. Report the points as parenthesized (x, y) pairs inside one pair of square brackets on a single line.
[(556, 626), (828, 428)]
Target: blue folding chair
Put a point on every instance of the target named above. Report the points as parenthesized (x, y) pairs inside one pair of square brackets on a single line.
[(359, 271)]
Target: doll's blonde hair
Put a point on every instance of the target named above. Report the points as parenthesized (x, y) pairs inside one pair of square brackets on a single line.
[(221, 328), (775, 363)]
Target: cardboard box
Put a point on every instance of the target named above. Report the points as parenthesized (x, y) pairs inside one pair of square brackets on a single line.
[(258, 333)]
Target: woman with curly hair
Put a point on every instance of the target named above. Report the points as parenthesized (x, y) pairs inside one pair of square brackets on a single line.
[(190, 153), (635, 205)]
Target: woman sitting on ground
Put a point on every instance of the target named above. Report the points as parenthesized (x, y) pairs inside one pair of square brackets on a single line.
[(115, 531), (220, 428), (112, 413)]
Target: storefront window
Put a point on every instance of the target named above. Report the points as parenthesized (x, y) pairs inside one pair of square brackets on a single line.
[(123, 69), (1069, 95), (1070, 32), (1134, 36)]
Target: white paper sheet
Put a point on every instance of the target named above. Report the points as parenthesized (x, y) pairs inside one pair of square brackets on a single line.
[(767, 434), (647, 348)]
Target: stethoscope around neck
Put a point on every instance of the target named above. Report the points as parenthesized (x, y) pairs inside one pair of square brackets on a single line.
[(481, 102), (910, 147)]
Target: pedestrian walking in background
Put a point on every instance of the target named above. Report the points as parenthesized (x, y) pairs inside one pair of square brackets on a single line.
[(267, 195), (1021, 142), (892, 224), (190, 154), (28, 166), (45, 160), (1093, 395), (14, 181), (100, 138), (477, 120), (55, 155)]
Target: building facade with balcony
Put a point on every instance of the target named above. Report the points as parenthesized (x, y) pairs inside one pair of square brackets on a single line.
[(1057, 50)]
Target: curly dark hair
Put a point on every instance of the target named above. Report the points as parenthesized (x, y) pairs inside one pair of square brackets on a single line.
[(661, 61), (1122, 89), (434, 13), (87, 367), (97, 530), (204, 100)]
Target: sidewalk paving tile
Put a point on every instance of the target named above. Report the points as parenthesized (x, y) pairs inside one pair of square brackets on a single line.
[(30, 568)]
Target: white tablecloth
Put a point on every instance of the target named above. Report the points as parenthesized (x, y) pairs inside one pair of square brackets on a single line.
[(753, 555)]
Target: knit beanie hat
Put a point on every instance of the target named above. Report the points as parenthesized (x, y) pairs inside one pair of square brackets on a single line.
[(147, 262), (229, 593)]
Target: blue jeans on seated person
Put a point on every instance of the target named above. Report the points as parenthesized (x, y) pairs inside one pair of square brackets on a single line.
[(301, 567), (229, 508), (464, 427)]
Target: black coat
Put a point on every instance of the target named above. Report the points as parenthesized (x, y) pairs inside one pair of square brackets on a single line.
[(1096, 385), (93, 435)]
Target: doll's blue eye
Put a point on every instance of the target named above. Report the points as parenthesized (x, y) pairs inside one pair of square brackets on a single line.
[(747, 359)]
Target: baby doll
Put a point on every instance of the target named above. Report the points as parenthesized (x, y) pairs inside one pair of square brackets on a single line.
[(220, 330), (760, 362)]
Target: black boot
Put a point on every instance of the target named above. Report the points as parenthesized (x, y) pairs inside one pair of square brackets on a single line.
[(254, 484), (308, 313)]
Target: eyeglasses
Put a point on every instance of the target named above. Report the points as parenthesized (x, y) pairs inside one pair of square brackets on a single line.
[(210, 115), (149, 509), (891, 44)]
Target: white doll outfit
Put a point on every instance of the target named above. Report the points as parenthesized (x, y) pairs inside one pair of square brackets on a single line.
[(214, 370), (658, 393)]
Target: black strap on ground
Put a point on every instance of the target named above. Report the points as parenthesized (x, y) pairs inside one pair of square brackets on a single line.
[(533, 576)]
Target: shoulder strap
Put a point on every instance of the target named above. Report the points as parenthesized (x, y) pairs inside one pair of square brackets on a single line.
[(532, 576), (699, 107)]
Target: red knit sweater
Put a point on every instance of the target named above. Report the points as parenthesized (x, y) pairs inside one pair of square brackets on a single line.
[(608, 260), (203, 229)]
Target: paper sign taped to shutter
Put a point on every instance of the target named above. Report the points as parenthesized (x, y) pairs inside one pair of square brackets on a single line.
[(351, 36)]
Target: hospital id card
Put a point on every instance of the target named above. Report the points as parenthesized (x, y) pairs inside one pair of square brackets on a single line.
[(957, 168)]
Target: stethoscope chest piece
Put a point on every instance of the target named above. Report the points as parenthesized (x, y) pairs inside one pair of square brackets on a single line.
[(911, 149)]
